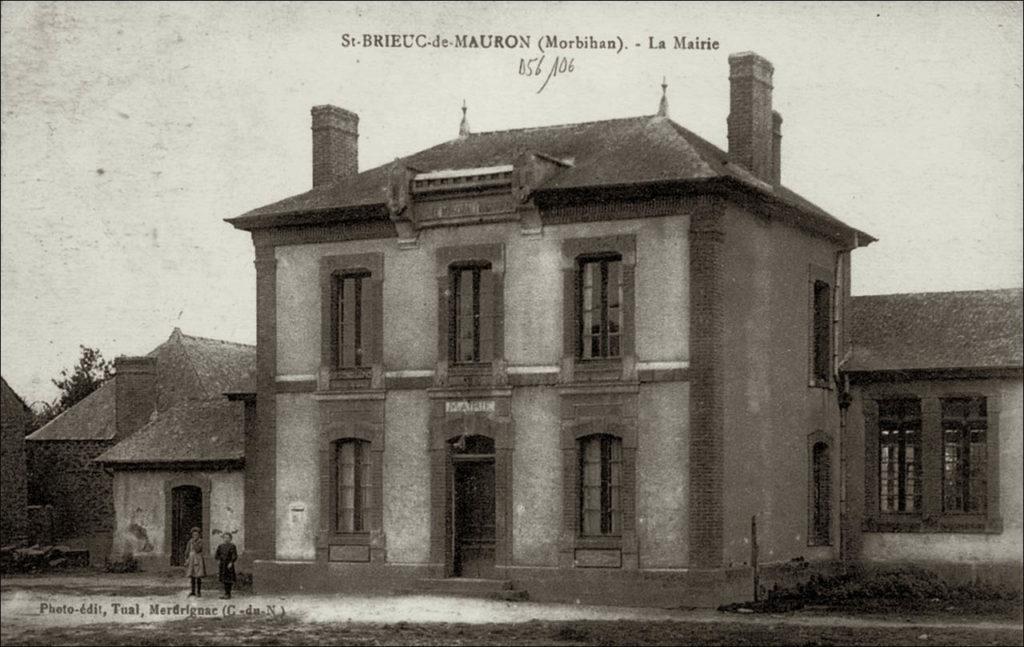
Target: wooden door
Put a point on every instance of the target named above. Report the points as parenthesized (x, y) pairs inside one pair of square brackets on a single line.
[(474, 508), (186, 514)]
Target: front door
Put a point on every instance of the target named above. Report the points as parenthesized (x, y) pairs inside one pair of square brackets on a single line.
[(474, 507), (186, 514)]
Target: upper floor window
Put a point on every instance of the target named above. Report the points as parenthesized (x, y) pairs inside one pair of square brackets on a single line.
[(352, 480), (599, 290), (600, 485), (899, 442), (348, 313), (471, 314), (964, 450), (821, 350)]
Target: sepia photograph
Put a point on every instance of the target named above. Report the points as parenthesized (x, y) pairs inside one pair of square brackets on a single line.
[(512, 323)]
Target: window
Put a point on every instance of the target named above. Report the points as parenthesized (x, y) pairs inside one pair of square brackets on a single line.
[(352, 479), (600, 485), (347, 316), (821, 495), (471, 315), (599, 289), (822, 333), (964, 450), (899, 429)]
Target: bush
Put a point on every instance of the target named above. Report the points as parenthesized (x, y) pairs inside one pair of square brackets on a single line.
[(903, 583)]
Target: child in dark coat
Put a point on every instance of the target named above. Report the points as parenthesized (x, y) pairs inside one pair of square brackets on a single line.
[(226, 555)]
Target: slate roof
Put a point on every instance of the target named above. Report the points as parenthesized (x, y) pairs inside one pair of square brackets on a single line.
[(11, 404), (611, 153), (937, 330), (191, 431), (188, 368)]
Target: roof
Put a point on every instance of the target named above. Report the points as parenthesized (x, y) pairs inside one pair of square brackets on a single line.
[(187, 367), (610, 153), (11, 404), (936, 331), (191, 431)]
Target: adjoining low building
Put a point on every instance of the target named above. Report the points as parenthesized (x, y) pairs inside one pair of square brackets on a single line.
[(933, 452), (15, 417), (63, 472), (182, 470)]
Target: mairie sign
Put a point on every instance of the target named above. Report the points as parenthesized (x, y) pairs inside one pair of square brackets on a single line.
[(469, 406)]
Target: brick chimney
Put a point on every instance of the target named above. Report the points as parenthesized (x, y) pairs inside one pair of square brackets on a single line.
[(750, 114), (135, 384), (335, 143)]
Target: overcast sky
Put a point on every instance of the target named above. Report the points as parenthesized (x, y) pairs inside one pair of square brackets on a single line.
[(130, 131)]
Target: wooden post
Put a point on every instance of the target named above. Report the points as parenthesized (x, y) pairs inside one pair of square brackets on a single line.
[(753, 553)]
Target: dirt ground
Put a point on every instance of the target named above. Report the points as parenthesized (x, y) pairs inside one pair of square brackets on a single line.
[(140, 609)]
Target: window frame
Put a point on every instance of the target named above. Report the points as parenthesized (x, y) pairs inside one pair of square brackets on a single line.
[(481, 318), (610, 504), (965, 427), (575, 368), (820, 438), (360, 420), (821, 345), (931, 517), (602, 261), (368, 374), (448, 373), (362, 486)]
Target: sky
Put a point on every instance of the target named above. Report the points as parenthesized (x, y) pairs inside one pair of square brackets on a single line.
[(130, 131)]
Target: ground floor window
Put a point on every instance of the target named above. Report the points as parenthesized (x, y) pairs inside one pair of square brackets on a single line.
[(899, 429), (964, 453), (600, 485), (352, 477)]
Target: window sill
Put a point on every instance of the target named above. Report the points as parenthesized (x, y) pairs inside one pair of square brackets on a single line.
[(948, 523), (599, 543)]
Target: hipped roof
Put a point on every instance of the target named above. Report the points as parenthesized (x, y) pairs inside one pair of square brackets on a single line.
[(187, 367), (635, 151)]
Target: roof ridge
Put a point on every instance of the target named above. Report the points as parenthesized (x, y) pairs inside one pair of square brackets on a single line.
[(937, 292), (219, 341), (552, 126)]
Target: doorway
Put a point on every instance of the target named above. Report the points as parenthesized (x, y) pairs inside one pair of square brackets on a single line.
[(473, 507), (186, 514)]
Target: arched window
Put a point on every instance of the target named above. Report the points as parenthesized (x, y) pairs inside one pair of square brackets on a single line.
[(600, 485), (353, 498), (821, 494)]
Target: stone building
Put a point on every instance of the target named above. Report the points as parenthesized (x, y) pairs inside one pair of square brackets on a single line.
[(173, 380), (15, 418), (934, 451), (580, 358)]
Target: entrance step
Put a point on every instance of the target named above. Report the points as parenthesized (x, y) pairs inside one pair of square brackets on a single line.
[(473, 588)]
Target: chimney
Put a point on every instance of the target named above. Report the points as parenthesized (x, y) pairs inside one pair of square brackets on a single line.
[(750, 114), (135, 397), (776, 148), (335, 143)]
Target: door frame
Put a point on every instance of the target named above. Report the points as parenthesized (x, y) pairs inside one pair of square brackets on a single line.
[(204, 485), (445, 427)]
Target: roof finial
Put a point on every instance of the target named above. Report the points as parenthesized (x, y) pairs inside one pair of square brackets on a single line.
[(464, 126), (663, 106)]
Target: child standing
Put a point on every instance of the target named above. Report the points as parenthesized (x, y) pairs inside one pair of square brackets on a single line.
[(226, 555), (195, 563)]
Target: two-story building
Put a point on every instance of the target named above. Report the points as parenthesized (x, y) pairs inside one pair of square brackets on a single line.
[(581, 358)]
